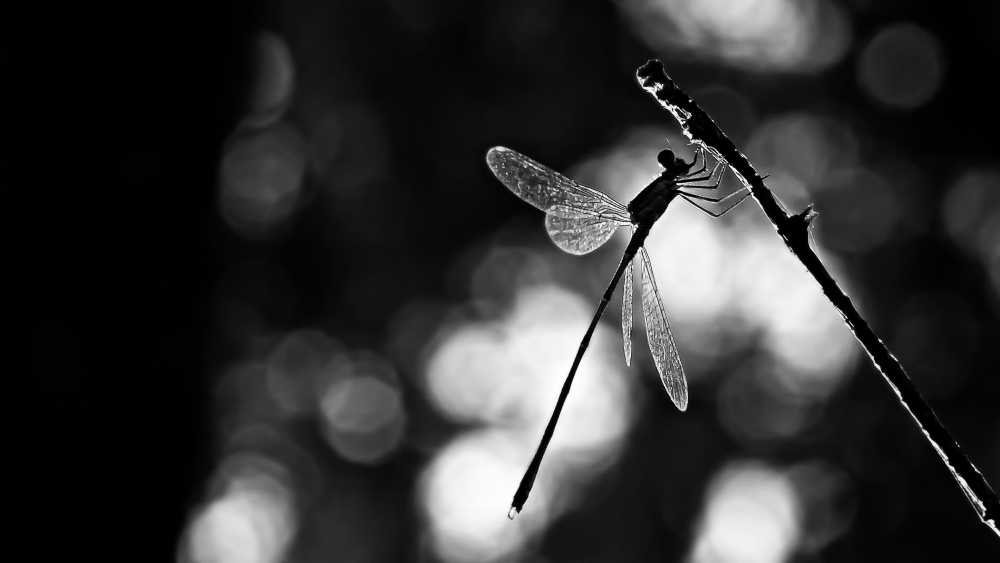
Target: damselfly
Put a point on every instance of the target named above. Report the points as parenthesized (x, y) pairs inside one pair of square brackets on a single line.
[(579, 220)]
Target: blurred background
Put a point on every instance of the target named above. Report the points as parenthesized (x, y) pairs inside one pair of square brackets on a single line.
[(268, 302)]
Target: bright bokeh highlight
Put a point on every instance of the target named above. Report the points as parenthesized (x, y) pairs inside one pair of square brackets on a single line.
[(759, 35), (251, 520), (806, 148), (751, 515), (505, 375), (723, 280), (464, 492)]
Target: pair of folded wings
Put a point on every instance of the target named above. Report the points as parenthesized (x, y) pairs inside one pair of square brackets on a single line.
[(579, 220)]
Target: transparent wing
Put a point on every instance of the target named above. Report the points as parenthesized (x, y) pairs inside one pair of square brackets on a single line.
[(578, 235), (627, 313), (549, 190), (661, 342)]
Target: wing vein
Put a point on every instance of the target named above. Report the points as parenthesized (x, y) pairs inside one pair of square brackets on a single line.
[(661, 341), (547, 189)]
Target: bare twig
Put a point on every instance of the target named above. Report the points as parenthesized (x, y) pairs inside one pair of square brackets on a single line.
[(793, 229)]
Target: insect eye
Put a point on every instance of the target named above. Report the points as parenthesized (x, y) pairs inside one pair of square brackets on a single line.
[(666, 158)]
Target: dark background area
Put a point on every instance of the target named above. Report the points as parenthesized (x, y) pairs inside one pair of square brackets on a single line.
[(114, 250), (112, 121)]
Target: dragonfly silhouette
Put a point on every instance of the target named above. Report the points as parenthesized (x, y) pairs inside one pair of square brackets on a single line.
[(579, 220)]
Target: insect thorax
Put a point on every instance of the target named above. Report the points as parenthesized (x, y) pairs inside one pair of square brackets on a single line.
[(652, 201)]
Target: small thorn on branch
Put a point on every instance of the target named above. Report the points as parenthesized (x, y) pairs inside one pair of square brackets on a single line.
[(805, 216), (795, 228)]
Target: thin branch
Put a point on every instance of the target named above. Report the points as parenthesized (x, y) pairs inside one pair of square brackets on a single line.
[(793, 229)]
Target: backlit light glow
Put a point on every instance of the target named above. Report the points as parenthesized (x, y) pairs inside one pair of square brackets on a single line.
[(465, 491), (732, 275), (806, 149), (803, 329), (709, 272), (510, 372), (505, 375), (252, 521), (689, 254), (756, 34), (751, 515)]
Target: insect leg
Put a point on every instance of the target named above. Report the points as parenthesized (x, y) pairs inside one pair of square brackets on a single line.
[(704, 162), (714, 199), (743, 194), (690, 178)]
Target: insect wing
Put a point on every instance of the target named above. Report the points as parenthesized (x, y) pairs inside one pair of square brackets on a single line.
[(627, 313), (661, 342), (549, 190), (580, 234)]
